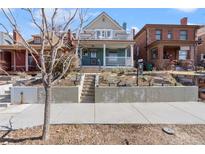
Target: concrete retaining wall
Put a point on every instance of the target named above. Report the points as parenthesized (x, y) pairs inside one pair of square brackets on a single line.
[(29, 94), (146, 94), (37, 94)]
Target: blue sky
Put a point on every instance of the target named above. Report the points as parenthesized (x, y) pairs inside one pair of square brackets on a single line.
[(133, 17)]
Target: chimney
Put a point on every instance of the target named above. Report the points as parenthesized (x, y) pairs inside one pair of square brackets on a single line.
[(124, 25), (133, 32), (16, 37), (184, 21)]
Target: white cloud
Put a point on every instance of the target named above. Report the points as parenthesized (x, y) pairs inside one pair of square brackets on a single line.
[(187, 10)]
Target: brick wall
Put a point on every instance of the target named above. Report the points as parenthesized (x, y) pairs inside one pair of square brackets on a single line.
[(20, 60), (175, 32), (141, 43)]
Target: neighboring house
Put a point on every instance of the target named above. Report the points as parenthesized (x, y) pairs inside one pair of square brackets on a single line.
[(104, 42), (158, 44), (200, 45), (5, 57), (15, 58)]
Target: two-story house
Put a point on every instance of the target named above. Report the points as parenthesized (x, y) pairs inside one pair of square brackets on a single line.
[(4, 57), (200, 37), (158, 44), (16, 58), (104, 42)]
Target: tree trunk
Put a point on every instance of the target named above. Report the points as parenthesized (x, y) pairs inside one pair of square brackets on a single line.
[(48, 100)]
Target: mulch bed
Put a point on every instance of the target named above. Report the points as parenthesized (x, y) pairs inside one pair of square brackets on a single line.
[(108, 134)]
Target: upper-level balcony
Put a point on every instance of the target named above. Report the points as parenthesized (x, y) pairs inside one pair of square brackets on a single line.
[(106, 35)]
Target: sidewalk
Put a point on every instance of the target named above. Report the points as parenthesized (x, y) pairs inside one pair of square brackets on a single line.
[(28, 115)]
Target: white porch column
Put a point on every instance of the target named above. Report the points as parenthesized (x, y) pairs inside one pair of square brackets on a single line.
[(192, 53), (132, 55), (104, 54), (126, 53), (26, 60), (126, 58)]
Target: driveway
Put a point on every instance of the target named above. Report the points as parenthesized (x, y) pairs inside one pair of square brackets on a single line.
[(29, 115)]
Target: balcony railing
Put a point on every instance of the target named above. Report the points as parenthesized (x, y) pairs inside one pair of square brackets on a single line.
[(117, 37), (118, 61)]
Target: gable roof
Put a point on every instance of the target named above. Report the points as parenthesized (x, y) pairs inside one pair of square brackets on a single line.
[(106, 15)]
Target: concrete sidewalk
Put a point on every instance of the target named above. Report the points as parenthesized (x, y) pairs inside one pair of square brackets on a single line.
[(28, 115)]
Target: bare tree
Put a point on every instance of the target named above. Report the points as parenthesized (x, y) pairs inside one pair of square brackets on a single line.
[(56, 47)]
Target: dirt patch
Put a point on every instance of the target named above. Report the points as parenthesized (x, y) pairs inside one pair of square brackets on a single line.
[(130, 79), (109, 134)]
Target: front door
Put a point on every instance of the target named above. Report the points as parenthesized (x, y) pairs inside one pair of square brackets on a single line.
[(85, 57), (93, 58)]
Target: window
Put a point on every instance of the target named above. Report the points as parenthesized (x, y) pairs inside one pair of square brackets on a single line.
[(183, 35), (37, 40), (85, 53), (154, 53), (170, 35), (103, 34), (158, 34), (93, 54), (183, 54), (98, 34), (108, 33)]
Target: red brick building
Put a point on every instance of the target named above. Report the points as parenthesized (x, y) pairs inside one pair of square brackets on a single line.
[(15, 58), (201, 45), (159, 43)]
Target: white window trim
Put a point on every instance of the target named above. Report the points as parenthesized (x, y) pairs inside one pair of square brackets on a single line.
[(105, 37)]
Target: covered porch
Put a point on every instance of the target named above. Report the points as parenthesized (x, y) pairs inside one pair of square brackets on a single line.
[(16, 60), (162, 56), (106, 53)]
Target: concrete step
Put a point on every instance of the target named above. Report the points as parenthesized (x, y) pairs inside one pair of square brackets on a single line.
[(5, 95), (5, 98), (87, 98), (89, 82), (87, 94), (88, 86), (4, 105), (88, 101), (7, 92), (89, 76), (88, 90)]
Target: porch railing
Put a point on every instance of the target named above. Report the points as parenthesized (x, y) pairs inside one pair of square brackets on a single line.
[(118, 61)]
